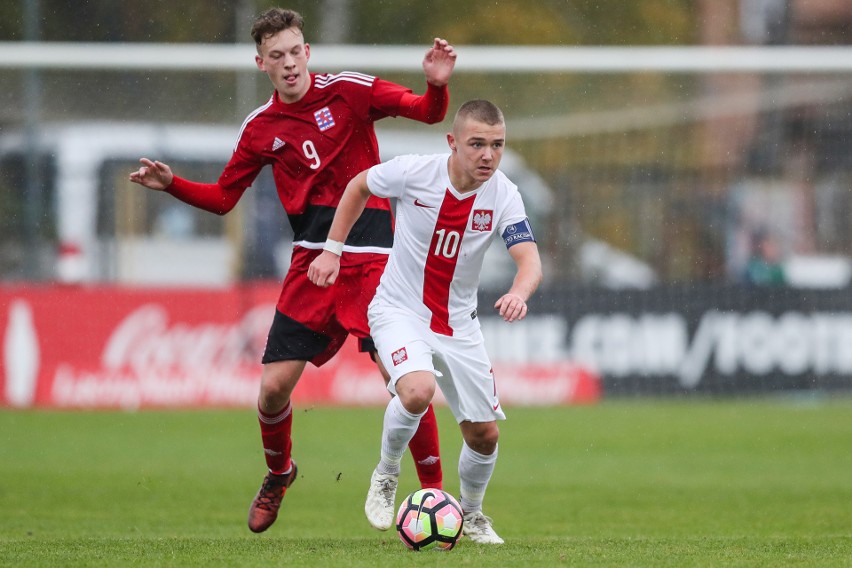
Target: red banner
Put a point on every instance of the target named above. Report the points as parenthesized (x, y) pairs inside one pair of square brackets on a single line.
[(112, 347)]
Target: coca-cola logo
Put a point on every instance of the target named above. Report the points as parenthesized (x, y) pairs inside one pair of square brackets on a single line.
[(147, 342)]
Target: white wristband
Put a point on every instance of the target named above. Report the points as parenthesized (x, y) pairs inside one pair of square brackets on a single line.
[(335, 247)]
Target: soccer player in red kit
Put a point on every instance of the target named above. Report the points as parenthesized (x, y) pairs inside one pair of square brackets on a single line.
[(316, 132)]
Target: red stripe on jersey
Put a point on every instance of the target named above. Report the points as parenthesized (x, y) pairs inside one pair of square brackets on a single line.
[(442, 257)]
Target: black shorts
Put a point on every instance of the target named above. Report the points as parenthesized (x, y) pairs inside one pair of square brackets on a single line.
[(290, 340)]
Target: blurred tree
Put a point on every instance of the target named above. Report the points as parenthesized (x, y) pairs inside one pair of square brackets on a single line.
[(141, 20), (580, 22)]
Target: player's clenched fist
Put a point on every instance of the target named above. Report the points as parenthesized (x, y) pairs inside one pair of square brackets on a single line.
[(324, 269), (511, 307)]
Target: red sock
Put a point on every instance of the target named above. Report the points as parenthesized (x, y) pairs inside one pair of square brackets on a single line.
[(427, 452), (275, 431)]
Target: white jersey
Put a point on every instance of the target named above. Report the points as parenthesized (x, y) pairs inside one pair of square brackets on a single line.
[(441, 237)]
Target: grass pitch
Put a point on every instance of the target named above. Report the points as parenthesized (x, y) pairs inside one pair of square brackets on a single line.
[(622, 483)]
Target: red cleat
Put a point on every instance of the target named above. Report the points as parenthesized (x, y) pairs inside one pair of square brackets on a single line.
[(264, 508)]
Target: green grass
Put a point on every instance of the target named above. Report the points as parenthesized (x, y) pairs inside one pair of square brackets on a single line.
[(638, 483)]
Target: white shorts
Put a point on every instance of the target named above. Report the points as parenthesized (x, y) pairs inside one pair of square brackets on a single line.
[(460, 364)]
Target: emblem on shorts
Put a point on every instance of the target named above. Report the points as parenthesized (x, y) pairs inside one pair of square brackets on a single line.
[(399, 356), (482, 220)]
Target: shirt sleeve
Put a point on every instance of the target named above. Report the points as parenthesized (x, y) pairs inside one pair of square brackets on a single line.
[(388, 179), (513, 210), (244, 166), (390, 99), (208, 196), (514, 226)]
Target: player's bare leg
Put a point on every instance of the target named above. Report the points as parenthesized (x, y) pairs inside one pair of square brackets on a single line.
[(275, 415)]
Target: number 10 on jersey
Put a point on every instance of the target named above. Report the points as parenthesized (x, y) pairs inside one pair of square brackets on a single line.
[(446, 243)]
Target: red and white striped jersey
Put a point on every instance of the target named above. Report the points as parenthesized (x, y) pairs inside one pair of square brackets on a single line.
[(441, 238)]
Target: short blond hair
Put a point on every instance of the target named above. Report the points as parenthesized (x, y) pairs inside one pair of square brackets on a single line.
[(479, 110)]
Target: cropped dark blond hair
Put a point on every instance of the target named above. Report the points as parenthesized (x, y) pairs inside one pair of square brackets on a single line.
[(273, 21), (479, 110)]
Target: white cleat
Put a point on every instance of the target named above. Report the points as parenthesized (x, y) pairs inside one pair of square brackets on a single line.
[(379, 507), (477, 527)]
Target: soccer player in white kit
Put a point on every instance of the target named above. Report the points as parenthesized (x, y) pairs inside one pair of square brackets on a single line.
[(423, 317)]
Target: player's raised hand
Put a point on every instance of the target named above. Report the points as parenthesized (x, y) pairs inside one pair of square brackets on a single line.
[(511, 307), (153, 175), (438, 63), (324, 269)]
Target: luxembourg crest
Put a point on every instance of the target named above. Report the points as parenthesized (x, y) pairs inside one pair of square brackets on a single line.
[(324, 119), (482, 220)]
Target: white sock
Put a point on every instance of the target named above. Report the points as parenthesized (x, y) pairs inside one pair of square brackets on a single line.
[(398, 429), (475, 471)]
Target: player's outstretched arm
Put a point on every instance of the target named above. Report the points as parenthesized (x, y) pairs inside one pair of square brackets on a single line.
[(513, 305), (324, 269), (153, 175), (439, 62), (208, 196)]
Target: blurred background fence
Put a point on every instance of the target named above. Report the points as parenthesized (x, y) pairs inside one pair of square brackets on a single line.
[(698, 167)]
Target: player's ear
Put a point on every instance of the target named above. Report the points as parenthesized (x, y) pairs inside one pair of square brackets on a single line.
[(451, 141), (258, 60), (308, 51)]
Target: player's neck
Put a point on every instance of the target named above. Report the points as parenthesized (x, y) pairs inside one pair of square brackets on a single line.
[(461, 182)]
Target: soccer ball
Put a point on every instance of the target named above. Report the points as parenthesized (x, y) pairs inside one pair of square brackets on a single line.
[(429, 518)]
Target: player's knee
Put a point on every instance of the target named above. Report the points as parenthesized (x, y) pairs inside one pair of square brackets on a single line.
[(488, 441), (276, 385), (415, 391), (416, 401), (272, 397), (482, 437)]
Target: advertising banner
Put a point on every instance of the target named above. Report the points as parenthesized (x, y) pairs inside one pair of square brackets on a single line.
[(115, 347), (710, 339)]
